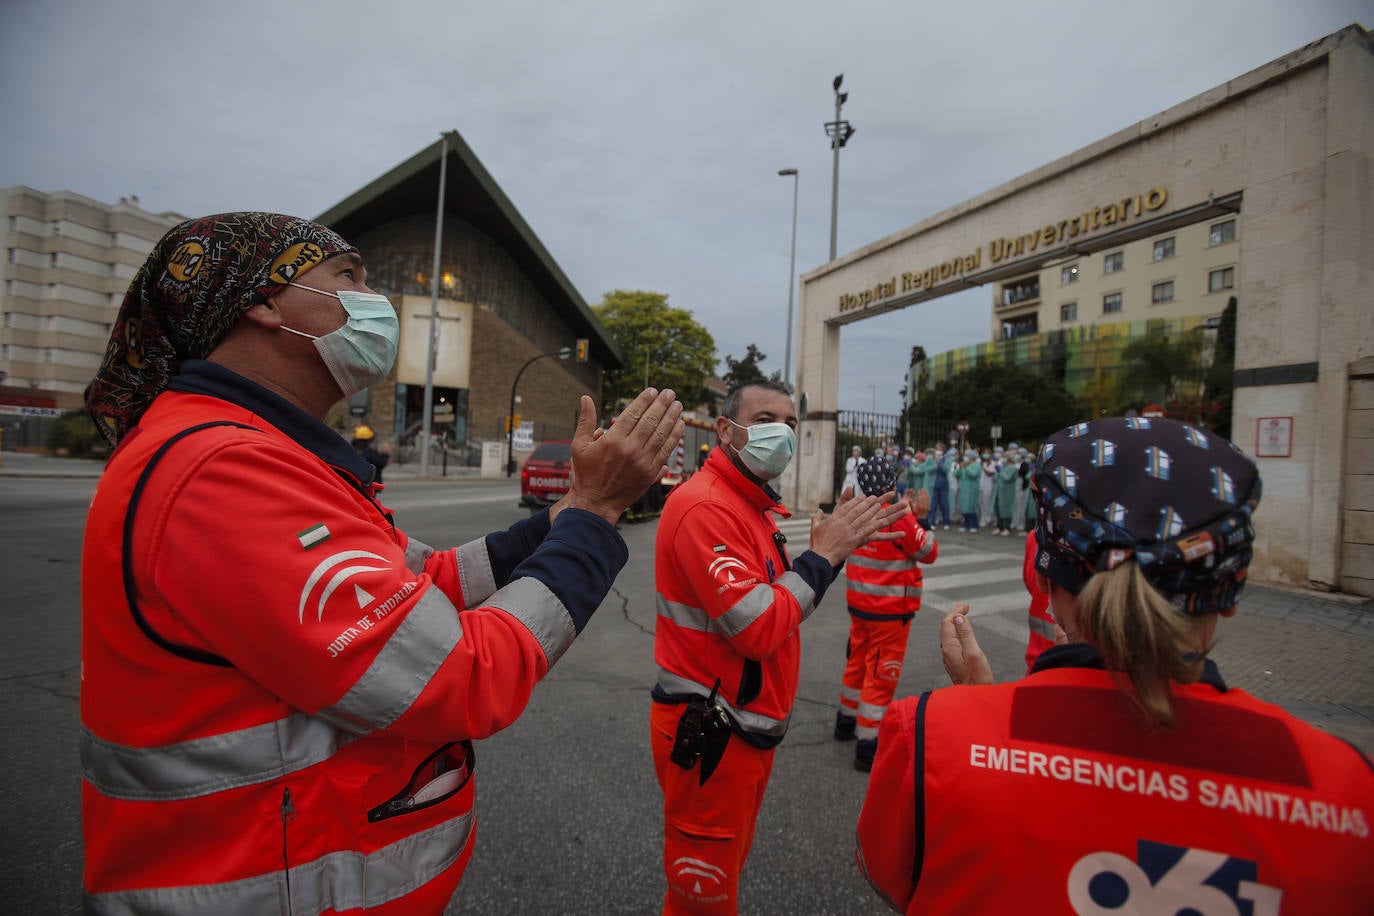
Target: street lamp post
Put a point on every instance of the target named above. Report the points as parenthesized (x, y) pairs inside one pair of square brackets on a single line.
[(561, 353), (791, 276), (430, 354), (839, 133)]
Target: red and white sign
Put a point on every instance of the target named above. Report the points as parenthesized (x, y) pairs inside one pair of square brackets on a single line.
[(1274, 437)]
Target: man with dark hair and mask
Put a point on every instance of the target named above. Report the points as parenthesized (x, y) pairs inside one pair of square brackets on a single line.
[(279, 686), (730, 602)]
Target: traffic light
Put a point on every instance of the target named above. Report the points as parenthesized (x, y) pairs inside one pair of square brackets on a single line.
[(583, 345), (512, 423)]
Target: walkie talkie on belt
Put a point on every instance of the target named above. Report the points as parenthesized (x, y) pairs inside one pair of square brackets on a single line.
[(702, 734)]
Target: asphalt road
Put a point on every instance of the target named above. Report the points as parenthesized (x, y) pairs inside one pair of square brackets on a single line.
[(569, 810)]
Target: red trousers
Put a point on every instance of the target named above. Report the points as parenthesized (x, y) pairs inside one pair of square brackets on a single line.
[(707, 830), (873, 666)]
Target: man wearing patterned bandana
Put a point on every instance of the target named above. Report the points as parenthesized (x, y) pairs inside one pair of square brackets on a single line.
[(279, 687), (1139, 781)]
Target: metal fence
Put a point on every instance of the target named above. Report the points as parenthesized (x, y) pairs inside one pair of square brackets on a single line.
[(873, 431)]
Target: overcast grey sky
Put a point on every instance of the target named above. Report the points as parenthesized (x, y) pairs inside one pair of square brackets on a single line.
[(640, 140)]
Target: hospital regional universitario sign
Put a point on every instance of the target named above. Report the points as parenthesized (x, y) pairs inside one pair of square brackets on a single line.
[(1002, 248)]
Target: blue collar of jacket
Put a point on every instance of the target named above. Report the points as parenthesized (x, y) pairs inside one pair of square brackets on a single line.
[(1082, 655), (760, 496), (198, 376)]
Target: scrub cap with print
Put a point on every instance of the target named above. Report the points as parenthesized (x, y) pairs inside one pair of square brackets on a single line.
[(1175, 499)]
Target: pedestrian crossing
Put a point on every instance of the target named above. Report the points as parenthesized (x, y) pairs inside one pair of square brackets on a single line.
[(981, 569)]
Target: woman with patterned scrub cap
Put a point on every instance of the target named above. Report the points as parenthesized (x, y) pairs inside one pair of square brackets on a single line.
[(1122, 774)]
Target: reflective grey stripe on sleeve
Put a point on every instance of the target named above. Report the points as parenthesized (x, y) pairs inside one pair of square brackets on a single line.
[(1041, 627), (475, 575), (751, 607), (884, 565), (337, 881), (745, 611), (684, 615), (925, 551), (886, 591), (805, 594), (849, 693), (199, 767), (532, 603), (748, 721), (402, 668), (417, 552)]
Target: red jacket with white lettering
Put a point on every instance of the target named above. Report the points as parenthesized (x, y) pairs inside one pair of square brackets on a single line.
[(883, 578), (280, 723), (1049, 795), (730, 601)]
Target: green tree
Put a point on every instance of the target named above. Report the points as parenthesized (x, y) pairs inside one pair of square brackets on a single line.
[(1159, 367), (1028, 406), (1219, 381), (74, 434), (659, 341), (742, 371)]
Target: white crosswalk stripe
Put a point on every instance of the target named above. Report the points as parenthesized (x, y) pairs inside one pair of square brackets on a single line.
[(948, 579)]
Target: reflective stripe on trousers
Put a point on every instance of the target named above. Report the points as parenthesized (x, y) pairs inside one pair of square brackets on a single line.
[(336, 881)]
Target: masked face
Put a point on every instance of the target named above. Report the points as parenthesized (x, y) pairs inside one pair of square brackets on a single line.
[(769, 448), (362, 352)]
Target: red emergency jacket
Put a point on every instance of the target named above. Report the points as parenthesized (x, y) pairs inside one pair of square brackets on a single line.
[(277, 684), (1050, 795), (883, 578), (1038, 618), (730, 600)]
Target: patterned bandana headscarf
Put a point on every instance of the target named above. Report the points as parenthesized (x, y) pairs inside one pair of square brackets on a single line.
[(1174, 498), (197, 281), (875, 477)]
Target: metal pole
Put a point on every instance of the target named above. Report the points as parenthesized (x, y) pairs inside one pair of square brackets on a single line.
[(434, 308), (561, 353), (791, 279), (835, 177)]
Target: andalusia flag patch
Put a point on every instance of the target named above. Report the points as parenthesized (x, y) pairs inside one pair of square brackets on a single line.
[(313, 536)]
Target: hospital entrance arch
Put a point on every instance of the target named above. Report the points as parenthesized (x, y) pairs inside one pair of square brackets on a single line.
[(1289, 150)]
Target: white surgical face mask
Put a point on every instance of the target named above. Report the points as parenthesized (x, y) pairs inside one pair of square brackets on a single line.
[(769, 449), (362, 352)]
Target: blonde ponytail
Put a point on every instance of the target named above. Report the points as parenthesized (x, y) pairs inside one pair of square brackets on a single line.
[(1140, 635)]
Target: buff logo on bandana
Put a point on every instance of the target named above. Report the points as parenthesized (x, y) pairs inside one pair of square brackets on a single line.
[(185, 262), (294, 261)]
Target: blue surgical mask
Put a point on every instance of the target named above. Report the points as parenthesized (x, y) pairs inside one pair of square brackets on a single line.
[(769, 449), (362, 352)]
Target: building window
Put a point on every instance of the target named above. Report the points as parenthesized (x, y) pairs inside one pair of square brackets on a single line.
[(1068, 274), (1021, 291), (1164, 248), (1162, 292), (1219, 280), (1068, 312), (1019, 327), (1222, 233), (1113, 262), (1111, 303)]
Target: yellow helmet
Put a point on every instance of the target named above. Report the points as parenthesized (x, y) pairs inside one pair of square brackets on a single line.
[(363, 432)]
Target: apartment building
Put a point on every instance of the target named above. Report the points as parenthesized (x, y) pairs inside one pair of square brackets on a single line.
[(68, 260), (1185, 272)]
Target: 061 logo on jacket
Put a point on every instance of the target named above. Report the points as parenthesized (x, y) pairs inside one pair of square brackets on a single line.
[(1169, 879)]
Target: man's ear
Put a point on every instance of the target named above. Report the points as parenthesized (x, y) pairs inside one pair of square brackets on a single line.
[(722, 430), (265, 314)]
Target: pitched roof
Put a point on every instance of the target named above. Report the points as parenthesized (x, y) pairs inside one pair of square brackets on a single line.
[(472, 195)]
